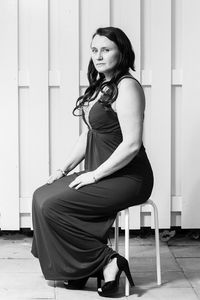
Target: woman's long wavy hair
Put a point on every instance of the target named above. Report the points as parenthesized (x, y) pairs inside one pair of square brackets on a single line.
[(109, 88)]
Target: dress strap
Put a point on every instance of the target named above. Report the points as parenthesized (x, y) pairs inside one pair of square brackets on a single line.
[(128, 76)]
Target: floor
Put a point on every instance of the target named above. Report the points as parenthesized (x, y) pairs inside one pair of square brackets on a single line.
[(21, 277)]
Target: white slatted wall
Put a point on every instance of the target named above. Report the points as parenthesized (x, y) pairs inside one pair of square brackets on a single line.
[(43, 63)]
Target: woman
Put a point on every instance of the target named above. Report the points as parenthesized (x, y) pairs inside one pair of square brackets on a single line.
[(72, 214)]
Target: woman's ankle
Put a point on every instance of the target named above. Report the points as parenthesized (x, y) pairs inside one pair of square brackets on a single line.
[(110, 270)]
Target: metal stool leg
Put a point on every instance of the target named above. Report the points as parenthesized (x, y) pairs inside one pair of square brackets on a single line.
[(158, 267), (157, 244), (127, 288), (126, 242), (117, 233)]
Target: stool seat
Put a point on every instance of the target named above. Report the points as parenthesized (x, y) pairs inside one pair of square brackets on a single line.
[(156, 225)]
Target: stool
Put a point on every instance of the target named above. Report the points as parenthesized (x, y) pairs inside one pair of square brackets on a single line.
[(155, 213)]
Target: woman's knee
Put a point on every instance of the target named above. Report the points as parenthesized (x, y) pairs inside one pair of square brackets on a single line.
[(36, 199), (48, 207), (42, 201)]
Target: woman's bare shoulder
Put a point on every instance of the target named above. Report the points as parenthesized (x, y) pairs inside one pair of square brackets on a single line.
[(131, 88), (129, 82)]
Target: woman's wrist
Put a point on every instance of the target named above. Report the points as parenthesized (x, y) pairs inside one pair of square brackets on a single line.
[(95, 177), (64, 173)]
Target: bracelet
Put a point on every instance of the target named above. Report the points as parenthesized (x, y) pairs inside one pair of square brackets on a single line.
[(63, 172), (95, 180)]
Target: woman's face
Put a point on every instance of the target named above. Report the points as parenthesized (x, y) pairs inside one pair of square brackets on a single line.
[(105, 55)]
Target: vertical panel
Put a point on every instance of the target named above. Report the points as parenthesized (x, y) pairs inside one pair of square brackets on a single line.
[(161, 107), (126, 15), (25, 121), (146, 217), (190, 115), (176, 110), (145, 35), (146, 81), (38, 95), (25, 140), (54, 33), (177, 34), (9, 180), (147, 121), (69, 73), (176, 141), (57, 106), (93, 14)]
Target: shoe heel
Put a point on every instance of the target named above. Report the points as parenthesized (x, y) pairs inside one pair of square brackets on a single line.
[(124, 266), (99, 282), (128, 275), (99, 277)]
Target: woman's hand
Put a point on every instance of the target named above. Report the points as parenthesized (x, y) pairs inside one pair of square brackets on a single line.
[(55, 176), (83, 179)]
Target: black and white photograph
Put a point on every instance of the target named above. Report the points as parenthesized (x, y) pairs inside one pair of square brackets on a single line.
[(99, 149)]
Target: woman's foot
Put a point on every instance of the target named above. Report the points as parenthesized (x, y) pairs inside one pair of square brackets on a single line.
[(112, 272), (78, 284)]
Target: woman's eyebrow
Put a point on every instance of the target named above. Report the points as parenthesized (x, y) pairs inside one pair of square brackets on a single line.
[(104, 47)]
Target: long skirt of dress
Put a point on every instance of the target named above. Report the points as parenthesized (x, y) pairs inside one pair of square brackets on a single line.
[(71, 227)]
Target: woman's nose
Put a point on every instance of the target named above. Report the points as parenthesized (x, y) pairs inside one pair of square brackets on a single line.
[(99, 55)]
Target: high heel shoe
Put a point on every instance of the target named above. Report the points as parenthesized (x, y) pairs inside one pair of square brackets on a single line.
[(100, 277), (78, 284), (111, 287)]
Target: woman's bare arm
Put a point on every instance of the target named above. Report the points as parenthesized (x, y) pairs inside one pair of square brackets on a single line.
[(77, 154), (130, 106)]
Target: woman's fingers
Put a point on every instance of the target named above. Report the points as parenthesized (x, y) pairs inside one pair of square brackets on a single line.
[(82, 180), (50, 180), (79, 185), (73, 183), (76, 185), (53, 177), (76, 181)]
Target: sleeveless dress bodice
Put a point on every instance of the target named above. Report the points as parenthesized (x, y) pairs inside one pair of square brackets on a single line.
[(104, 136)]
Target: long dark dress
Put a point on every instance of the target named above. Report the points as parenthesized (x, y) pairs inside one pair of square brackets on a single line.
[(71, 226)]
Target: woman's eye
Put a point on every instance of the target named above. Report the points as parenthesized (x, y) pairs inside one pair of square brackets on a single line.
[(106, 50), (94, 50)]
